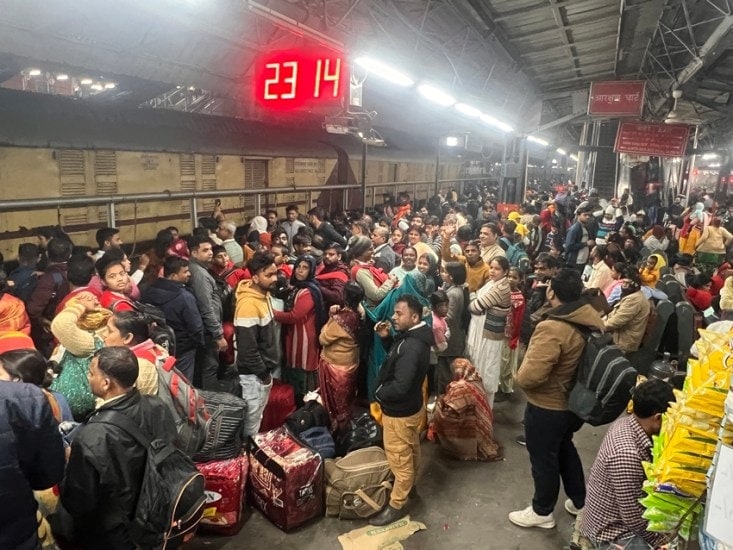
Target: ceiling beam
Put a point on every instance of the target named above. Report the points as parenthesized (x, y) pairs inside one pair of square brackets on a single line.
[(562, 26), (575, 4), (551, 86), (581, 68), (591, 40)]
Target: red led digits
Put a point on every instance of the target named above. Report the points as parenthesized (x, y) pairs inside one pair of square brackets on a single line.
[(300, 79)]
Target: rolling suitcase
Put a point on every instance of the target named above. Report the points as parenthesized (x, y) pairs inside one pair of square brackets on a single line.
[(285, 479), (280, 405), (226, 480)]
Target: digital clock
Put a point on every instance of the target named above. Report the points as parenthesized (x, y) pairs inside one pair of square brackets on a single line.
[(295, 79)]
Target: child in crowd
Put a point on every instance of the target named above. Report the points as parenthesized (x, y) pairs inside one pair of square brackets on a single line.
[(439, 305), (649, 273)]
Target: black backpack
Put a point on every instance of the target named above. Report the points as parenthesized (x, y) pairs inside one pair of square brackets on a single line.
[(603, 382), (171, 500), (160, 332)]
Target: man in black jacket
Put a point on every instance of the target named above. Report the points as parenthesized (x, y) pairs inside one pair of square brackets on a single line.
[(106, 465), (180, 309), (31, 457), (317, 217), (399, 393)]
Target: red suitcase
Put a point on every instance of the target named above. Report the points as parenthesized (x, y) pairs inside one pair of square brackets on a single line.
[(285, 479), (280, 405), (224, 512)]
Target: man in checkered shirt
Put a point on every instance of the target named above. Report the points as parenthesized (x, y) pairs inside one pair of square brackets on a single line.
[(612, 510)]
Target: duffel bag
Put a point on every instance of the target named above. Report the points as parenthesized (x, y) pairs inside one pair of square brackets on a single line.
[(225, 435), (320, 440), (308, 416), (359, 484)]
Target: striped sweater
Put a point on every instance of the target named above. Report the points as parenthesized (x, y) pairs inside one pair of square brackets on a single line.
[(495, 300)]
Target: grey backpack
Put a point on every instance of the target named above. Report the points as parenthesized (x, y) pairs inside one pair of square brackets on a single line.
[(359, 484)]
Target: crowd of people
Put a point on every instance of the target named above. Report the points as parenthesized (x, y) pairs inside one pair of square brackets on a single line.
[(430, 314)]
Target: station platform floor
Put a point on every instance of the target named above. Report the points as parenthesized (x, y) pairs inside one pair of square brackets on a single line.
[(463, 504)]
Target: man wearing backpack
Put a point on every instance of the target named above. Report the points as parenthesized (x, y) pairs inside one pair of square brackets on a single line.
[(106, 466), (546, 376), (50, 289), (170, 294)]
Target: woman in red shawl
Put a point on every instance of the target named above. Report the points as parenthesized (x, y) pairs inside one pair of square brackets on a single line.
[(340, 357), (303, 322), (462, 423)]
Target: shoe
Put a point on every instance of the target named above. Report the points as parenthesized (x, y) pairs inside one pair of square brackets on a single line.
[(528, 518), (521, 440), (387, 516), (570, 507)]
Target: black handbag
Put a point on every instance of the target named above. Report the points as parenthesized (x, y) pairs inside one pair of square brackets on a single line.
[(363, 431), (310, 415)]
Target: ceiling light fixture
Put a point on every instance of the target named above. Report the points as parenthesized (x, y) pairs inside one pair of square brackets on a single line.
[(384, 72), (491, 121), (62, 77), (34, 72), (538, 140), (560, 151), (110, 86), (709, 156), (85, 81), (97, 87), (467, 110), (573, 157), (435, 95)]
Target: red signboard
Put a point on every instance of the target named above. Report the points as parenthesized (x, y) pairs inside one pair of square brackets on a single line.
[(295, 79), (653, 139), (617, 98)]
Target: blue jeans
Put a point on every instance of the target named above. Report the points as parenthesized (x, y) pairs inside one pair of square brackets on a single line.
[(553, 457)]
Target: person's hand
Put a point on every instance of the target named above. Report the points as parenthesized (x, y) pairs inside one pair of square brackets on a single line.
[(88, 300), (382, 328), (143, 262), (333, 310), (395, 281), (221, 344)]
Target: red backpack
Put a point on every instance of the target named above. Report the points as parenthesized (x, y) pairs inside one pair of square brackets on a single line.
[(184, 401)]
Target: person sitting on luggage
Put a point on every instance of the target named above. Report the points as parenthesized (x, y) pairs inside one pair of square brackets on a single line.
[(463, 423), (649, 273), (612, 510), (698, 293), (106, 466), (627, 321)]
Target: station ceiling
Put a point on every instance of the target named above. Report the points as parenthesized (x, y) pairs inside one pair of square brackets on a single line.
[(529, 62)]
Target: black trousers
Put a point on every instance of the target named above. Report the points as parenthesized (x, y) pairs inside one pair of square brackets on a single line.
[(553, 457)]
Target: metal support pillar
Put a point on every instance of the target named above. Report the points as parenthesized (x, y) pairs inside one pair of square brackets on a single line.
[(194, 213), (111, 219), (437, 170), (363, 176), (582, 154)]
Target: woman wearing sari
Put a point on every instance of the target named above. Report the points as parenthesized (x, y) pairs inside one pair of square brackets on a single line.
[(303, 322), (463, 424), (486, 339), (340, 358)]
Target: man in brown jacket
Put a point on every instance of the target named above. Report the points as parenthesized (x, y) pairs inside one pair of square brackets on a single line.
[(628, 319), (546, 376)]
